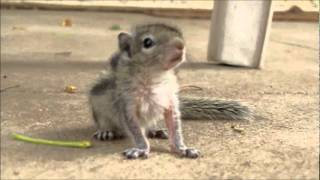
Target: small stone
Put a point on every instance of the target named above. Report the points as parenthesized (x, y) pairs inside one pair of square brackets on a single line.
[(237, 129), (66, 23), (70, 89)]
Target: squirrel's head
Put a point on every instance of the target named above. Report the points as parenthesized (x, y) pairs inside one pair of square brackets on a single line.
[(153, 45)]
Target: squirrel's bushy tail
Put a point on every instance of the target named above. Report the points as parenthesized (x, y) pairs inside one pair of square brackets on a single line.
[(204, 108)]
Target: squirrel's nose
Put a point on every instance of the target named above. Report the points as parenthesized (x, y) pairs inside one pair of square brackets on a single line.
[(177, 43)]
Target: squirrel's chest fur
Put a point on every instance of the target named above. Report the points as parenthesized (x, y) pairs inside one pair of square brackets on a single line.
[(152, 95)]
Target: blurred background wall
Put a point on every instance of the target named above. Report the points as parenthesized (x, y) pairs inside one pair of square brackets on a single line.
[(304, 10)]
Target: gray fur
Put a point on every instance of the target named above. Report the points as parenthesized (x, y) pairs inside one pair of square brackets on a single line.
[(114, 61), (152, 27), (205, 108), (102, 85), (125, 40), (142, 90)]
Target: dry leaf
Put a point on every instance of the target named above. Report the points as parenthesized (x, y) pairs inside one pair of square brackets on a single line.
[(115, 27)]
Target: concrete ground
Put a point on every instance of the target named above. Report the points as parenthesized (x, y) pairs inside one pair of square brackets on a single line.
[(42, 57)]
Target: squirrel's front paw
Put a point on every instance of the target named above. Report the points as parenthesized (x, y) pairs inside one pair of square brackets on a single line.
[(189, 152), (134, 153)]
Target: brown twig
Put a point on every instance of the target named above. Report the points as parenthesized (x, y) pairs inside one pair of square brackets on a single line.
[(10, 87), (186, 87)]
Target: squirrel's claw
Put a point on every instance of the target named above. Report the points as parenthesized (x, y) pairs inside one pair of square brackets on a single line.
[(134, 153), (106, 135), (189, 153)]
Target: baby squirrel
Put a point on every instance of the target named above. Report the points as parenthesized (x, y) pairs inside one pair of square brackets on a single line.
[(141, 90)]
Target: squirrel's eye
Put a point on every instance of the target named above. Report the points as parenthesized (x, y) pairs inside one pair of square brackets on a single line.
[(148, 42)]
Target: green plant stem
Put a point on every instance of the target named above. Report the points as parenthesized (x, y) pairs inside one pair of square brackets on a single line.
[(76, 144)]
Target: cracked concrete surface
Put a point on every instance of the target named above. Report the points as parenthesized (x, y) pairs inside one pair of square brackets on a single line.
[(43, 57)]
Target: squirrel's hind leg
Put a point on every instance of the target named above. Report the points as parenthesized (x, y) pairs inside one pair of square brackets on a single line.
[(157, 133), (157, 130), (105, 131), (107, 135)]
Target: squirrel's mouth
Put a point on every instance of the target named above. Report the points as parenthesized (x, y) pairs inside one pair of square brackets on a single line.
[(173, 59)]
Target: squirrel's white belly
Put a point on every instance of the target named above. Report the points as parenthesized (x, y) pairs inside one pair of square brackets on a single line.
[(151, 103), (154, 97), (150, 108)]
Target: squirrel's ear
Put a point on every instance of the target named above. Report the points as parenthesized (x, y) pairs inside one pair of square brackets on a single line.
[(124, 42)]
